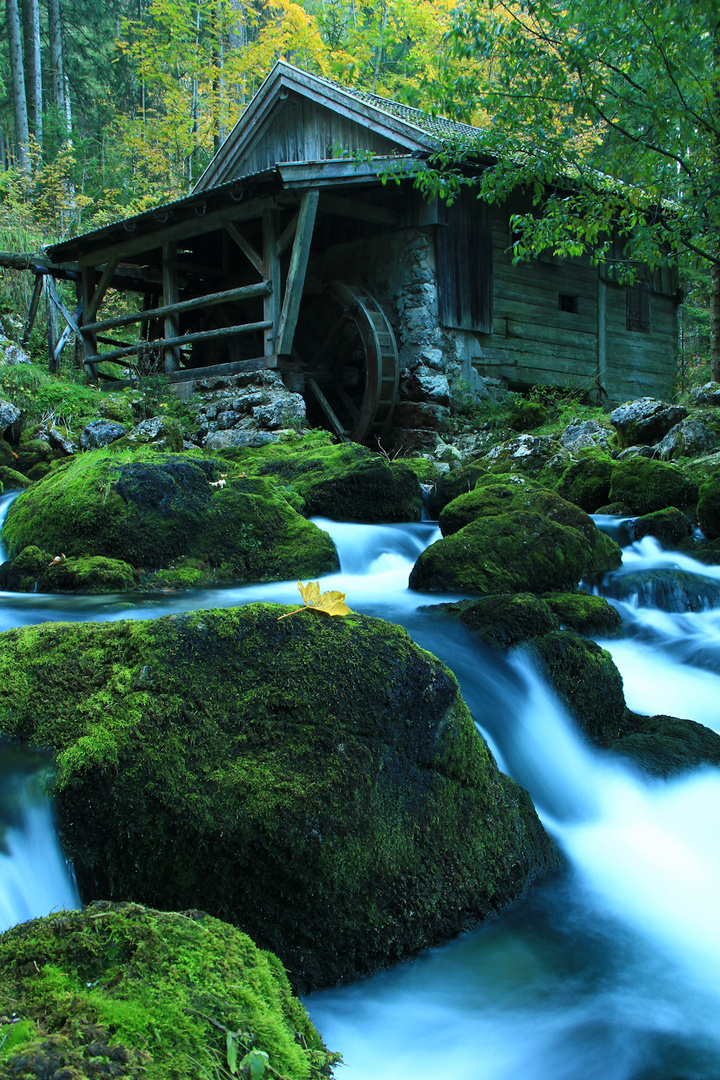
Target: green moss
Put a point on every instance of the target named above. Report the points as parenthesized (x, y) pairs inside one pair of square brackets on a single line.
[(586, 614), (122, 990), (586, 482), (642, 486), (457, 482), (149, 509), (527, 415), (21, 575), (512, 537), (317, 781), (426, 470), (89, 574), (7, 457), (345, 482), (506, 553), (12, 479), (502, 621), (708, 507), (666, 746), (185, 574), (669, 526), (586, 680), (31, 452)]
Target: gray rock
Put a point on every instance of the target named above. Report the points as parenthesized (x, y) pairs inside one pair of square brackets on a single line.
[(280, 411), (219, 440), (99, 433), (709, 394), (584, 433), (60, 442), (645, 421), (689, 438), (10, 353), (433, 388), (635, 451), (9, 413), (421, 414)]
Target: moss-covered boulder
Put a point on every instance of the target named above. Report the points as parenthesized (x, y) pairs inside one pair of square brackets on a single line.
[(666, 589), (528, 454), (347, 482), (317, 781), (153, 511), (12, 480), (669, 526), (586, 482), (89, 574), (642, 486), (708, 507), (120, 990), (515, 536), (502, 621), (7, 457), (588, 615), (22, 573), (586, 680), (458, 482), (666, 745)]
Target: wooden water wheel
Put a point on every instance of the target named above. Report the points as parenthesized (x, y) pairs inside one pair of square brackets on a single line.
[(346, 349)]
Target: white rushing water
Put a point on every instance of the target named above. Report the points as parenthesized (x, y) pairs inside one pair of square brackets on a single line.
[(611, 970)]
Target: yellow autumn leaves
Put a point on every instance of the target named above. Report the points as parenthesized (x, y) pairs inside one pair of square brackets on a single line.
[(328, 603)]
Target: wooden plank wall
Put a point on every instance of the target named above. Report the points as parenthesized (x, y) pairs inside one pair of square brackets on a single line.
[(306, 131), (533, 341), (640, 364)]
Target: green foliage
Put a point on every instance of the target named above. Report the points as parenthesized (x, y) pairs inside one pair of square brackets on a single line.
[(622, 101)]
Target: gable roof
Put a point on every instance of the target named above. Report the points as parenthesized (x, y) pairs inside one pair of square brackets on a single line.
[(391, 127)]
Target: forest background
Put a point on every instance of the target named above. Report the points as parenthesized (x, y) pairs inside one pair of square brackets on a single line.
[(110, 107)]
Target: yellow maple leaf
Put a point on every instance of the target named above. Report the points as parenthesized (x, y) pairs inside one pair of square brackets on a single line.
[(329, 603)]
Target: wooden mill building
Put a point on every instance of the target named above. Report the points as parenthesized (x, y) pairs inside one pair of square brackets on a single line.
[(305, 247)]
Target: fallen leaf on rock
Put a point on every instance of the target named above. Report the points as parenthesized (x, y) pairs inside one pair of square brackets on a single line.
[(328, 603), (57, 559)]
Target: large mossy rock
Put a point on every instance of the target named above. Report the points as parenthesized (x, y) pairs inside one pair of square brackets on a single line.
[(510, 537), (346, 482), (708, 507), (120, 990), (317, 781), (666, 745), (586, 482), (642, 486), (156, 511)]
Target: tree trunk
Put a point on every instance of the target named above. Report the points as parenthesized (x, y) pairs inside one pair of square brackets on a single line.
[(18, 84), (60, 95), (715, 323), (33, 67)]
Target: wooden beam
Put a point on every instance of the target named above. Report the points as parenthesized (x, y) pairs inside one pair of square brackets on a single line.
[(52, 329), (182, 230), (32, 310), (296, 272), (245, 292), (271, 273), (328, 410), (170, 296), (89, 343), (71, 320), (247, 249), (65, 336), (352, 208), (185, 339), (287, 235), (236, 367), (102, 287)]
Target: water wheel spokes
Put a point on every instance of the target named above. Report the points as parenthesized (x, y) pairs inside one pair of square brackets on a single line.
[(350, 361)]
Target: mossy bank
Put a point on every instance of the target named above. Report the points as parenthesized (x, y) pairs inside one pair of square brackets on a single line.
[(318, 782), (120, 990)]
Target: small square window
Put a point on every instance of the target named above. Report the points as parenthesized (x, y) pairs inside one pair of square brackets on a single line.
[(638, 307), (568, 302)]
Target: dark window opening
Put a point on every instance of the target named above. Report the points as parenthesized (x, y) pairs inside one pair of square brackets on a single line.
[(638, 307), (567, 302)]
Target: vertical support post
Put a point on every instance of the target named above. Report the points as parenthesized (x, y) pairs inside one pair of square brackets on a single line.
[(271, 269), (296, 272), (52, 330), (89, 340), (32, 310), (171, 296)]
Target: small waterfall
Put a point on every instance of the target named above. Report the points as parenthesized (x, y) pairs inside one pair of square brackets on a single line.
[(34, 877)]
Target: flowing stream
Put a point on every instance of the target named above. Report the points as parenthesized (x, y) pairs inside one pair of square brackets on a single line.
[(611, 969)]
